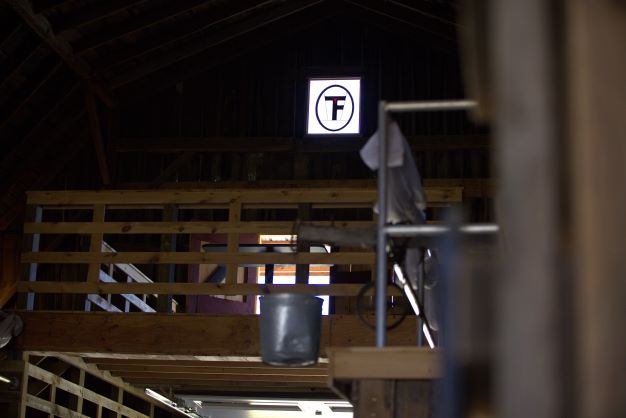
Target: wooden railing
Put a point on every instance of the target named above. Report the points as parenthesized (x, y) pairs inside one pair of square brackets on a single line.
[(132, 275), (111, 397), (234, 201)]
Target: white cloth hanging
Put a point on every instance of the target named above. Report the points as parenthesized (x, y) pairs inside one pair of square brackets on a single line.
[(11, 326), (406, 199)]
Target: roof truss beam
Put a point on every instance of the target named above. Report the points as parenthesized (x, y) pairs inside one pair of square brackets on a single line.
[(201, 43), (227, 12), (142, 21), (91, 13), (41, 26)]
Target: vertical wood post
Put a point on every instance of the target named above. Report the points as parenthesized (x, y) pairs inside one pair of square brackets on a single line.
[(166, 273), (234, 216), (530, 378), (24, 387), (302, 270), (53, 398), (81, 383), (32, 243), (597, 127), (96, 135), (126, 301), (372, 398), (120, 399), (95, 244)]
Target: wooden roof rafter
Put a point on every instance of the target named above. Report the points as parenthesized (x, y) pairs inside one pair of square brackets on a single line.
[(25, 149), (140, 22), (206, 41), (27, 46), (146, 78), (41, 6), (199, 22), (408, 16), (41, 26), (91, 13), (223, 53), (23, 102), (17, 29), (39, 52), (441, 36)]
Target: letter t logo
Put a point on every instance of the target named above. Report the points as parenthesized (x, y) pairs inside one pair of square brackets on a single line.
[(336, 105)]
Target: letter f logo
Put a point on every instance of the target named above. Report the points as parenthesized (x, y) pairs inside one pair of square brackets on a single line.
[(336, 105), (334, 108)]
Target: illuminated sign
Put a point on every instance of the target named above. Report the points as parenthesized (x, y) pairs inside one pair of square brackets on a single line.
[(334, 106)]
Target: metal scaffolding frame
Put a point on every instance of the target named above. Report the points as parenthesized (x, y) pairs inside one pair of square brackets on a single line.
[(385, 231)]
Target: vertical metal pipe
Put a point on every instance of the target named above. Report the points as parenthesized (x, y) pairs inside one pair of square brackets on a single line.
[(381, 235)]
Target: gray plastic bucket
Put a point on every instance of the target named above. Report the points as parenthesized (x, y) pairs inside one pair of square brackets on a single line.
[(290, 329)]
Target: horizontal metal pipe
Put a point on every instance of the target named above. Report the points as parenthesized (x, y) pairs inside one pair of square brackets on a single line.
[(428, 106), (437, 230)]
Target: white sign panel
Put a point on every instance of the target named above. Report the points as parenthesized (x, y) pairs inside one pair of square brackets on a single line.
[(334, 106)]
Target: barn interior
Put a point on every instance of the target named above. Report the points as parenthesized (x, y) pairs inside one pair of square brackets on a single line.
[(159, 176)]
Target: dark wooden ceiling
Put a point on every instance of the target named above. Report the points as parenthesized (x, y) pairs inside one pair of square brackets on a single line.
[(53, 53)]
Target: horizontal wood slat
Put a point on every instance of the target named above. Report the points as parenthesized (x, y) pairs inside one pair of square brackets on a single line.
[(177, 227), (231, 385), (223, 378), (180, 334), (217, 196), (167, 370), (192, 288), (411, 362), (111, 363), (104, 375), (50, 408), (70, 387), (318, 196), (197, 258)]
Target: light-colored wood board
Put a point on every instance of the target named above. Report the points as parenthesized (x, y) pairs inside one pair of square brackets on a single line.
[(133, 272), (196, 227), (220, 196), (197, 258), (130, 298), (113, 380), (408, 362), (56, 410), (109, 363), (226, 384), (216, 377), (234, 216), (266, 196), (192, 288), (103, 303), (82, 392), (349, 331), (180, 334), (596, 99), (213, 370)]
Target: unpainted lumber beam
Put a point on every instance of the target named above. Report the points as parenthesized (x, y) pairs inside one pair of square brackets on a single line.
[(202, 43), (179, 334), (96, 136), (41, 26)]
